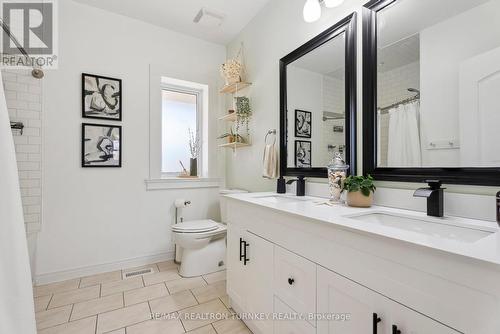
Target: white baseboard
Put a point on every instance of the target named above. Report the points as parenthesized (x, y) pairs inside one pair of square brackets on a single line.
[(101, 268)]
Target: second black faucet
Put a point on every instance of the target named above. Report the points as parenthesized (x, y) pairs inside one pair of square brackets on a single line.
[(301, 185)]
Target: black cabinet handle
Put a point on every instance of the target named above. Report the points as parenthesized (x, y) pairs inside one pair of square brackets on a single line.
[(376, 320), (395, 330), (291, 281), (245, 248)]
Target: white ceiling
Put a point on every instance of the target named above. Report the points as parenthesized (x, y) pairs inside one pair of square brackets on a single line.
[(178, 15)]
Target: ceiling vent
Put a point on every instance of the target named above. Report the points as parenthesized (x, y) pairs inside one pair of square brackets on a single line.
[(208, 18)]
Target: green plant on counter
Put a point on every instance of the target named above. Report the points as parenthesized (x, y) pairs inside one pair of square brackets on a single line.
[(243, 111), (360, 183)]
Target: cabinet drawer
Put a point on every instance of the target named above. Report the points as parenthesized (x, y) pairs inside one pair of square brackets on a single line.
[(285, 323), (295, 281)]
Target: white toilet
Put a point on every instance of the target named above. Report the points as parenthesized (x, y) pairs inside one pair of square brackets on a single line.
[(203, 242)]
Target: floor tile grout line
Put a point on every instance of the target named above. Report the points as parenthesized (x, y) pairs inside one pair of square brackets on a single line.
[(71, 312), (195, 297), (50, 300)]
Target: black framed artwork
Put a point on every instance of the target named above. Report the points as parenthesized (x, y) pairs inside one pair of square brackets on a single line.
[(101, 145), (303, 157), (303, 124), (101, 97)]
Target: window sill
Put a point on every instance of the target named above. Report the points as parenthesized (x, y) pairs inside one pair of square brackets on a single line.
[(179, 183)]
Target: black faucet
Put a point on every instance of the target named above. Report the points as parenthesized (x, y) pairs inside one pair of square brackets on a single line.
[(435, 198), (301, 185)]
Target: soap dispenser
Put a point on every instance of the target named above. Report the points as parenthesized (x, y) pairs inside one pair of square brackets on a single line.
[(337, 172)]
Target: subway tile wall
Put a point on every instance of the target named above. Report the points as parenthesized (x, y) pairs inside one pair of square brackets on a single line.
[(24, 102)]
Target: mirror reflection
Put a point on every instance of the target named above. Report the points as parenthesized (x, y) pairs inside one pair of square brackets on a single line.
[(316, 105), (438, 79)]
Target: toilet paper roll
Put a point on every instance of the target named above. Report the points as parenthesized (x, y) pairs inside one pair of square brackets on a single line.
[(181, 203)]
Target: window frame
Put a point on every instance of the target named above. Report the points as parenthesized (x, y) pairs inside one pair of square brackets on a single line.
[(198, 92)]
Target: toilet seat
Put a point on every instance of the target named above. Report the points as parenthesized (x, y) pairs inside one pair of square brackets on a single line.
[(196, 226)]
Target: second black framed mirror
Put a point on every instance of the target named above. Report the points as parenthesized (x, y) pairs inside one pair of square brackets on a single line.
[(318, 102)]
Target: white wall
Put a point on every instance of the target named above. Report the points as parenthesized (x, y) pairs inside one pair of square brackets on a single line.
[(95, 217), (277, 30)]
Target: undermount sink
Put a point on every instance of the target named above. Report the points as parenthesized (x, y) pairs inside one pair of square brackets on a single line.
[(282, 199), (426, 226)]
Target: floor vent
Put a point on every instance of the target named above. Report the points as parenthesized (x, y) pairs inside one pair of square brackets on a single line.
[(137, 273)]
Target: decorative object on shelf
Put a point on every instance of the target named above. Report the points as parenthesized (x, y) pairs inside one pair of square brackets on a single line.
[(338, 128), (243, 112), (19, 126), (337, 172), (101, 145), (101, 97), (312, 8), (360, 191), (303, 157), (233, 69), (303, 124), (194, 151), (232, 137)]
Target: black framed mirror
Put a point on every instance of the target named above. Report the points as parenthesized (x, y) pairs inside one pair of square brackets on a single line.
[(318, 102), (431, 72)]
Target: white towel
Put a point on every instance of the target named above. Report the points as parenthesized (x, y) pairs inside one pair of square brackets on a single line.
[(270, 162), (17, 313)]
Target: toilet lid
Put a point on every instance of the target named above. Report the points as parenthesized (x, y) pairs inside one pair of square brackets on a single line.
[(196, 226)]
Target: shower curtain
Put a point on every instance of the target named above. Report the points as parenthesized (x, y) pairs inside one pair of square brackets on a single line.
[(17, 314), (404, 136)]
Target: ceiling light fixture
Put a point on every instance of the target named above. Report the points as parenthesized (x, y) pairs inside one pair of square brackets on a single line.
[(312, 8)]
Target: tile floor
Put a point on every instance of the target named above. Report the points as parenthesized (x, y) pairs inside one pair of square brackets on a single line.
[(106, 303)]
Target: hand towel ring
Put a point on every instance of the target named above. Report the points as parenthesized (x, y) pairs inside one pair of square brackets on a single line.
[(270, 132)]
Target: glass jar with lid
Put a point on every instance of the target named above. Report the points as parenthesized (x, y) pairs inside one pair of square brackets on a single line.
[(337, 173)]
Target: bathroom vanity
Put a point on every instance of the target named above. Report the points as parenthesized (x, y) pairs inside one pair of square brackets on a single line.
[(356, 271)]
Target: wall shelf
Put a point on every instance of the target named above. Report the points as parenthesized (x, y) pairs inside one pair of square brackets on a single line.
[(234, 88), (229, 117), (234, 145)]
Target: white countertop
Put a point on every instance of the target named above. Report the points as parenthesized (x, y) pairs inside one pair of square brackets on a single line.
[(486, 249)]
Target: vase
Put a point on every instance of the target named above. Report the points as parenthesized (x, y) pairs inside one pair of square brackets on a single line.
[(193, 169), (358, 200)]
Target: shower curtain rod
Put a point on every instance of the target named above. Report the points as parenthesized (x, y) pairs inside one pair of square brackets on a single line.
[(385, 110)]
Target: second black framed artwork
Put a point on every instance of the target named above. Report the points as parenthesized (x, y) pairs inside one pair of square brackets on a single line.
[(101, 97), (303, 158), (303, 124), (101, 145)]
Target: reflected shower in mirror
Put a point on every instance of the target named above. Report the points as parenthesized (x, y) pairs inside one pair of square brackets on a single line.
[(316, 105), (438, 78)]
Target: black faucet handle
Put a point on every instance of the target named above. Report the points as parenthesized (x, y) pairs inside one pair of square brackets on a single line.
[(434, 184)]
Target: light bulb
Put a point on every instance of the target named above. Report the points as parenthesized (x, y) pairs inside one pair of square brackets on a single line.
[(333, 3), (312, 11)]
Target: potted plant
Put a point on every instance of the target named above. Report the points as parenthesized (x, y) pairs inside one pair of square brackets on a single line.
[(194, 150), (232, 137), (243, 112), (360, 191)]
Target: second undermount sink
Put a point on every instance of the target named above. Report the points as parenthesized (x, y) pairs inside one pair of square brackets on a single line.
[(442, 228), (276, 199)]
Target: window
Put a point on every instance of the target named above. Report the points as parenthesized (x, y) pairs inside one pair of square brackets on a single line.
[(180, 109)]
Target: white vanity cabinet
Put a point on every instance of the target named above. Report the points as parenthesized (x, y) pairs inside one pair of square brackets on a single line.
[(249, 276), (348, 280), (354, 309)]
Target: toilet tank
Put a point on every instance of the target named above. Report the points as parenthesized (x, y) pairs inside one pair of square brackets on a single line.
[(223, 201)]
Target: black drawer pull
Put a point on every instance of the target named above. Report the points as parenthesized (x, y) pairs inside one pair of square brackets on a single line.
[(376, 320), (395, 330), (291, 281), (245, 248)]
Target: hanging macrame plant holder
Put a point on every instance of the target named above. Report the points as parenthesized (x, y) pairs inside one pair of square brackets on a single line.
[(233, 70)]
